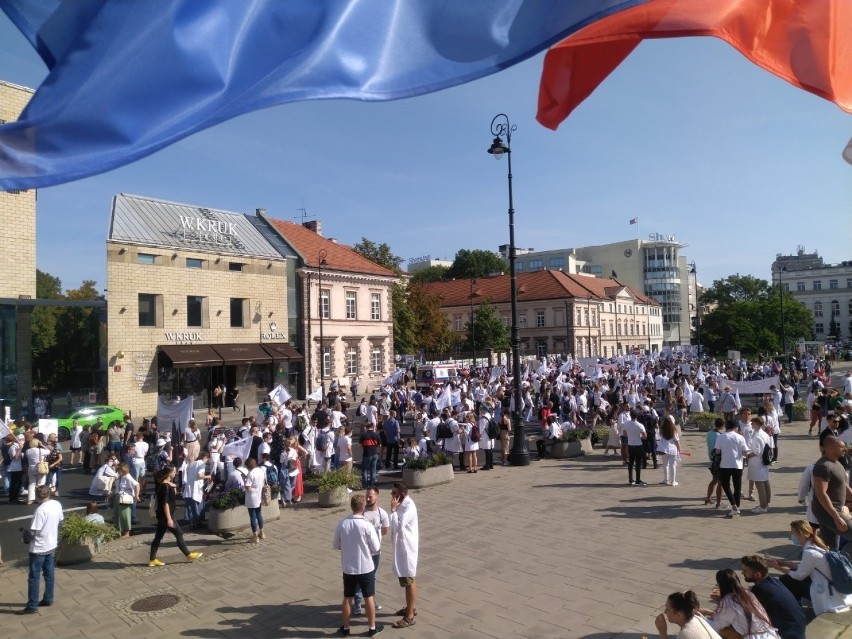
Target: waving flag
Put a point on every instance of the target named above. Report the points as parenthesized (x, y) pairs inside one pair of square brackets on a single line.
[(128, 78), (279, 394), (805, 42)]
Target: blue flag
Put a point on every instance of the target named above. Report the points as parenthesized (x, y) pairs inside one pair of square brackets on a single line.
[(130, 77)]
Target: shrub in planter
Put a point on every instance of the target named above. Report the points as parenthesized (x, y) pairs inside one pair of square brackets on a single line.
[(704, 421), (80, 539), (600, 435), (800, 412), (230, 499), (575, 435), (435, 469), (332, 486)]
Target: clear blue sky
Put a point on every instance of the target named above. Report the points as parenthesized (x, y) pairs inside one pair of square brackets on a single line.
[(687, 135)]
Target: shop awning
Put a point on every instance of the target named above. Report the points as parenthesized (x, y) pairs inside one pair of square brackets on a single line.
[(190, 355), (242, 354), (283, 351)]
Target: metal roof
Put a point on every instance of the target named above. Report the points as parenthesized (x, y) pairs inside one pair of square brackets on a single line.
[(151, 222)]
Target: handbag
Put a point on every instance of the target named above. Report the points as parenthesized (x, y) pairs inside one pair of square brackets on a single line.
[(42, 468), (729, 633), (104, 483), (125, 499), (266, 495)]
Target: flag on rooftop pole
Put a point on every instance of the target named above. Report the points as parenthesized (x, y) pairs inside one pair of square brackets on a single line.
[(129, 78), (803, 43), (634, 220)]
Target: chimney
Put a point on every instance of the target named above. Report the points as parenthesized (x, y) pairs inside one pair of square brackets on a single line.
[(260, 212), (314, 225)]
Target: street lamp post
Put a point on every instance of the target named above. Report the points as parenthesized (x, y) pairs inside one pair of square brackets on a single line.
[(320, 263), (694, 270), (589, 322), (783, 326), (519, 456), (472, 323)]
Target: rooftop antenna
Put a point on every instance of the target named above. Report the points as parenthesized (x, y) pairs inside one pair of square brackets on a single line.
[(304, 213)]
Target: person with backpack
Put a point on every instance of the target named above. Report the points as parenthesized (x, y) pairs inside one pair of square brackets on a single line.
[(470, 435), (489, 432), (813, 577), (391, 430), (370, 445), (760, 457)]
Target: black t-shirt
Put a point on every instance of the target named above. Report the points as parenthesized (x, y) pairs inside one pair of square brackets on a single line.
[(370, 443), (781, 606), (256, 441), (165, 495)]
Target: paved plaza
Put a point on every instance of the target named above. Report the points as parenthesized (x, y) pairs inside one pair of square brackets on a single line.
[(561, 549)]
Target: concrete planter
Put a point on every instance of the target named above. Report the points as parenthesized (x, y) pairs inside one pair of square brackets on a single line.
[(237, 518), (332, 498), (563, 450), (800, 413), (73, 554), (429, 477)]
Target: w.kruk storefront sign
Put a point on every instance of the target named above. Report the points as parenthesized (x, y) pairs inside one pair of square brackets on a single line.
[(206, 231)]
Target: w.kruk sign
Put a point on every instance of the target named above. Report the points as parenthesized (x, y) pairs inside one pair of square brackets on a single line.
[(201, 229)]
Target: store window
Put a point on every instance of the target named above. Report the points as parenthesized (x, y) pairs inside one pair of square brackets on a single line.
[(536, 265), (800, 286), (148, 309), (557, 262), (832, 284), (818, 328), (351, 305), (194, 308), (146, 258), (194, 262), (817, 309), (376, 307), (835, 308), (239, 312), (817, 284), (541, 348)]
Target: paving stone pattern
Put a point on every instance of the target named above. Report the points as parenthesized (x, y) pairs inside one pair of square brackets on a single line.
[(564, 549)]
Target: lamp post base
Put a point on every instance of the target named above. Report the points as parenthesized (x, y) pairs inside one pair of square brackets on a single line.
[(519, 458)]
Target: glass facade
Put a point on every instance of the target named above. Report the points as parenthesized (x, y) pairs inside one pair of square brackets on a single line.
[(8, 356), (662, 281)]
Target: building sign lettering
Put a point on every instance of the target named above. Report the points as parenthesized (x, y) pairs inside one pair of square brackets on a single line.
[(184, 337), (660, 237), (201, 229), (275, 336)]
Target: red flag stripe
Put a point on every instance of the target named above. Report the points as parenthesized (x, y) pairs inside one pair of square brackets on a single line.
[(802, 41)]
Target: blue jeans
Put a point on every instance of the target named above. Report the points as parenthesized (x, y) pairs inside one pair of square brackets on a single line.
[(193, 510), (359, 598), (368, 470), (286, 483), (255, 519), (40, 565)]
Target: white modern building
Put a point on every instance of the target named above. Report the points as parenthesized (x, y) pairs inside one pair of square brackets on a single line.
[(826, 290), (654, 266)]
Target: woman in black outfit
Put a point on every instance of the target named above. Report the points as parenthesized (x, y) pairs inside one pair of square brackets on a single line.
[(166, 492)]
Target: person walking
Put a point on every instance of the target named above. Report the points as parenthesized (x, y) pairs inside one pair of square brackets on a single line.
[(731, 446), (405, 538), (357, 541), (669, 447), (391, 429), (44, 537), (371, 443), (166, 493), (718, 427), (126, 495)]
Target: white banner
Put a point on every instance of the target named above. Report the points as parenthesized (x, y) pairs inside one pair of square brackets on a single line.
[(756, 387), (316, 396), (495, 373), (4, 430), (238, 448), (48, 426), (443, 401), (178, 412), (279, 394)]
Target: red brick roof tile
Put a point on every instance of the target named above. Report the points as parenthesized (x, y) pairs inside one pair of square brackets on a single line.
[(340, 257)]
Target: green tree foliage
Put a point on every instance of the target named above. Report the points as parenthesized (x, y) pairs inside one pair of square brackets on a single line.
[(44, 317), (381, 254), (834, 329), (404, 322), (475, 263), (434, 273), (431, 329), (747, 317), (489, 330)]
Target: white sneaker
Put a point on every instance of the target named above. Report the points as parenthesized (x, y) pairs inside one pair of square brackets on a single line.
[(750, 497), (757, 510), (674, 483)]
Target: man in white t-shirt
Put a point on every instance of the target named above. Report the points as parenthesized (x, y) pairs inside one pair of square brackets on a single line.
[(45, 537), (377, 516), (636, 436), (732, 447)]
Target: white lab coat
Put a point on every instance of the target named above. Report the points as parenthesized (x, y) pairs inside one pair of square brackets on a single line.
[(405, 539), (193, 484)]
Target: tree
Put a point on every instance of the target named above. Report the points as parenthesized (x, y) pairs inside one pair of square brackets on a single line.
[(404, 322), (44, 319), (475, 263), (431, 329), (434, 273), (381, 254), (489, 330), (747, 317), (834, 329)]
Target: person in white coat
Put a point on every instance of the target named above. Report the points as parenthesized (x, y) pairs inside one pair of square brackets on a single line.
[(453, 445), (255, 481), (823, 597), (193, 489), (36, 453), (486, 443), (76, 444), (758, 472), (405, 539)]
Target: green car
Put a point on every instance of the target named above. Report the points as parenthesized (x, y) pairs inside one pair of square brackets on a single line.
[(86, 416)]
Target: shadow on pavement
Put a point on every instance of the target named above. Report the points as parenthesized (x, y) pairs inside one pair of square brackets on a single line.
[(290, 619), (610, 635)]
